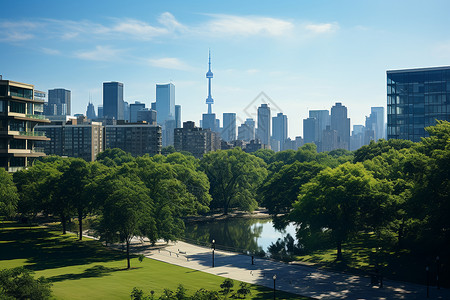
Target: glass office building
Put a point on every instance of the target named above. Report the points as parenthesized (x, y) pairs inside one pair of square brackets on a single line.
[(416, 98)]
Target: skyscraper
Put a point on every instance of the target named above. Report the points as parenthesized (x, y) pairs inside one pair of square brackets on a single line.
[(165, 107), (309, 130), (263, 131), (178, 116), (229, 127), (341, 124), (90, 111), (323, 119), (134, 108), (416, 98), (59, 102), (165, 102), (113, 100), (280, 129), (246, 132), (375, 122)]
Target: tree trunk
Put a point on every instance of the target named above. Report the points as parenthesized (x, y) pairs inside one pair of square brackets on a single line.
[(63, 223), (339, 250), (128, 253), (80, 223)]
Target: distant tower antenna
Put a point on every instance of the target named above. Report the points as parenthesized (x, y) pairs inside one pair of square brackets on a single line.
[(209, 75)]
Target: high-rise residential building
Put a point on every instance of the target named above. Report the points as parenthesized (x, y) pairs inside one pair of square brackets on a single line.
[(263, 130), (229, 127), (90, 111), (134, 108), (165, 102), (21, 109), (147, 115), (246, 132), (416, 98), (195, 140), (309, 130), (59, 102), (135, 138), (341, 124), (113, 105), (78, 137), (178, 116), (280, 129)]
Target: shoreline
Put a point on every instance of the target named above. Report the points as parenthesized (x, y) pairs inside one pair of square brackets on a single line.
[(260, 213)]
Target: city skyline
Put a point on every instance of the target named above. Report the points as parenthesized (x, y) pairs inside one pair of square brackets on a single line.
[(305, 56)]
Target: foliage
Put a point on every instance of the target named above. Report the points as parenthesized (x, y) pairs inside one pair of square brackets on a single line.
[(18, 283), (377, 148), (127, 211), (343, 200), (227, 285), (234, 177), (281, 189), (264, 154), (8, 194), (114, 157), (168, 150)]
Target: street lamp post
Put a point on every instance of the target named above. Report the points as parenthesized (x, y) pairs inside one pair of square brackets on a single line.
[(274, 278), (428, 281), (213, 248), (437, 272)]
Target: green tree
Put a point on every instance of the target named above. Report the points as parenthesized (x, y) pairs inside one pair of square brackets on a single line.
[(18, 283), (377, 148), (8, 194), (114, 157), (127, 211), (341, 200), (234, 177), (73, 185), (168, 150), (281, 189), (244, 290)]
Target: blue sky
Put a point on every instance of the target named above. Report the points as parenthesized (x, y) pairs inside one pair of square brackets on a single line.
[(302, 54)]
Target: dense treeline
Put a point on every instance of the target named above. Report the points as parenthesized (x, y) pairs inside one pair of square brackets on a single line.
[(398, 190)]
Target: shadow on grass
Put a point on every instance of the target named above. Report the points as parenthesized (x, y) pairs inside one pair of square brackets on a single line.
[(43, 248), (95, 271)]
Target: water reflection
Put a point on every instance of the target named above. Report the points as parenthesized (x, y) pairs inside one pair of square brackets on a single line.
[(240, 234)]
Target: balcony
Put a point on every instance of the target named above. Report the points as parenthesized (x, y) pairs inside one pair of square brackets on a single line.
[(39, 117), (32, 133)]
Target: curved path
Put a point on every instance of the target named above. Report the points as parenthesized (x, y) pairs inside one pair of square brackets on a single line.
[(293, 278)]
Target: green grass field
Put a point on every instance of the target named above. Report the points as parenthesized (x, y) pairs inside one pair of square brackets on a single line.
[(88, 270)]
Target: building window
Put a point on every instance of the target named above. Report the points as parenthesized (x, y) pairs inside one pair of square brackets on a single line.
[(17, 107), (20, 92)]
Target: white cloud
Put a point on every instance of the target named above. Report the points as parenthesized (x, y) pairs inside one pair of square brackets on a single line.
[(170, 22), (248, 25), (169, 63), (100, 53), (17, 31), (51, 51), (138, 29), (322, 28)]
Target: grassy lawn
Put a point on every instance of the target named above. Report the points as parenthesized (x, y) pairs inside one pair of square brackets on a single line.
[(362, 254), (87, 270)]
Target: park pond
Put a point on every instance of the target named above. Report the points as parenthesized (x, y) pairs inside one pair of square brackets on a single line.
[(239, 234)]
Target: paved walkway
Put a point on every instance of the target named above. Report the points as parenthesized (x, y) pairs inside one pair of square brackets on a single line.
[(297, 279)]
